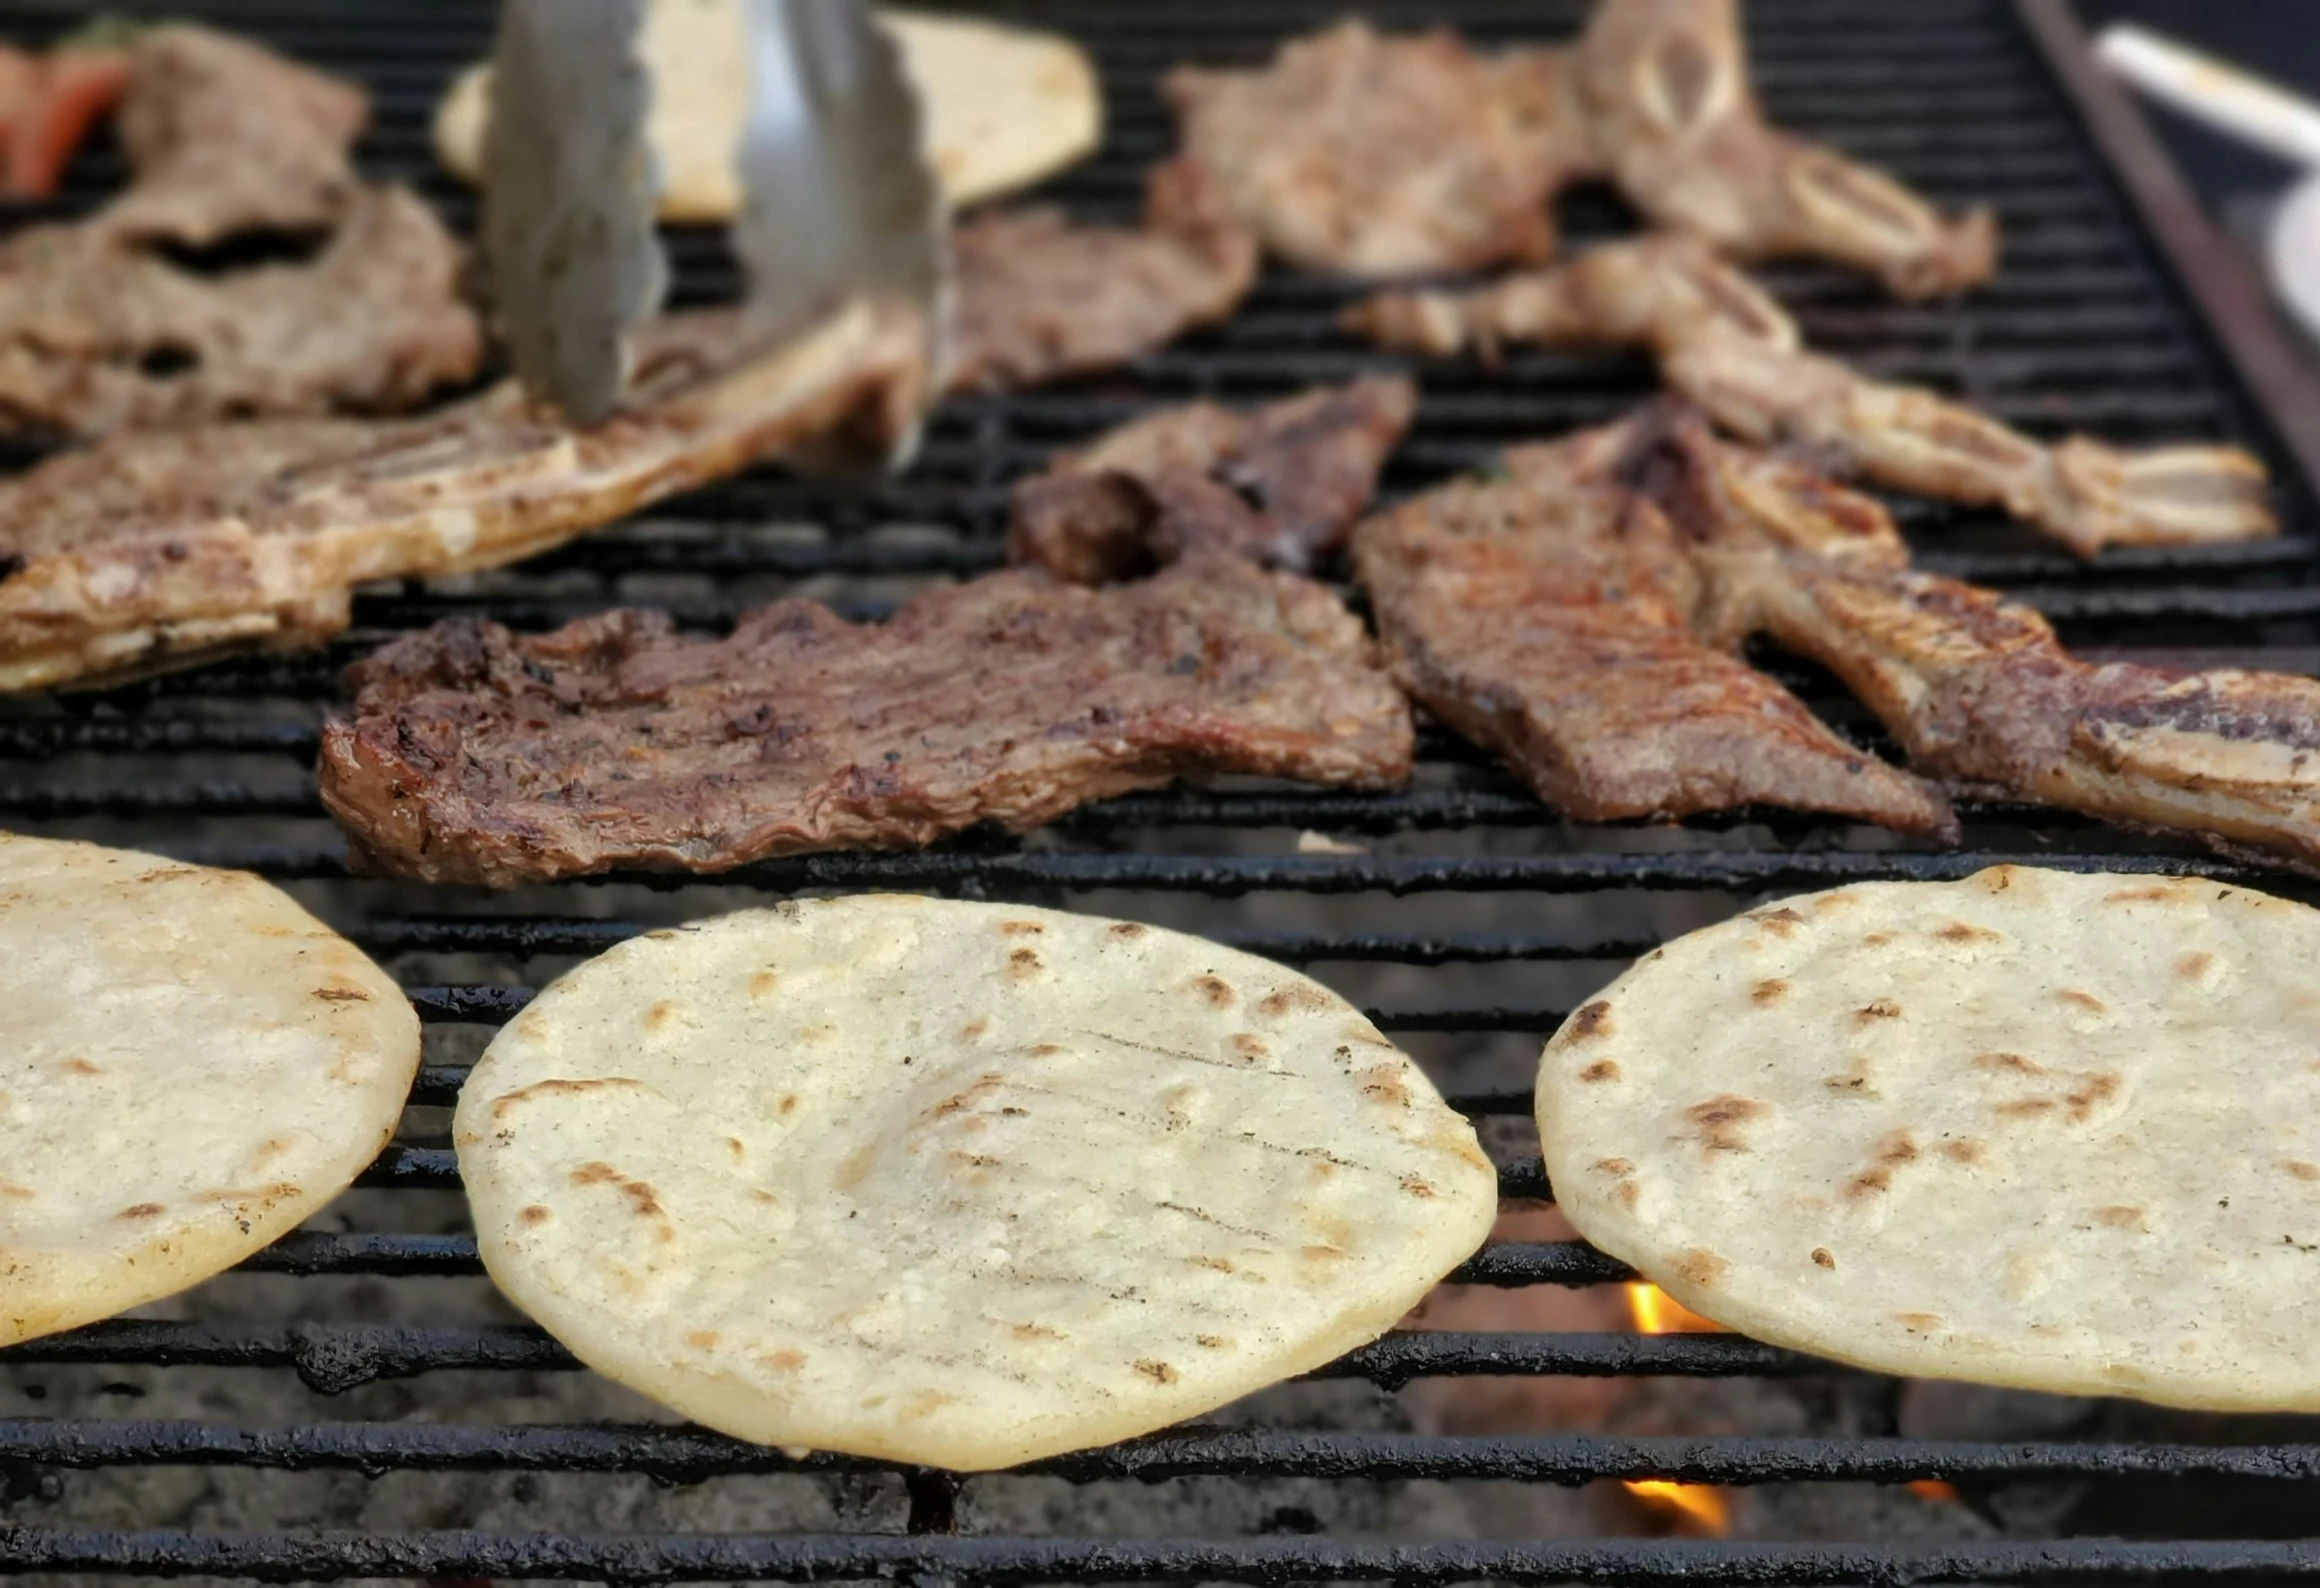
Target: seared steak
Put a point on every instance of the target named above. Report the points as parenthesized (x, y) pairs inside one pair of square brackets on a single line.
[(1379, 155), (1040, 298), (1281, 483), (102, 327), (1671, 109), (1548, 617), (153, 550), (476, 755)]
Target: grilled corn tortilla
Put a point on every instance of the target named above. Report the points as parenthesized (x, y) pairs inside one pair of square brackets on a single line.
[(1003, 106), (2034, 1129), (958, 1184), (190, 1066)]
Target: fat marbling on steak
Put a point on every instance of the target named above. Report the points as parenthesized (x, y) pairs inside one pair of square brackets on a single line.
[(476, 755), (1281, 483)]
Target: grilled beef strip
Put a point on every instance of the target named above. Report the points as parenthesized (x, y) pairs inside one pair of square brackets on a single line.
[(475, 755), (104, 327), (153, 550), (1669, 105), (1282, 483), (1982, 694), (1548, 617), (1728, 347), (1366, 154), (1039, 297)]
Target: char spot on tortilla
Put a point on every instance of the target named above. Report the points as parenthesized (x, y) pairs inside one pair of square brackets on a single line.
[(1592, 1020)]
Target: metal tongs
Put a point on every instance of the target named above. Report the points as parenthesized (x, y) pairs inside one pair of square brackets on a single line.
[(838, 199)]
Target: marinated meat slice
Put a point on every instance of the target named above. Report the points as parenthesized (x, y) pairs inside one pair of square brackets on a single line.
[(104, 325), (1668, 100), (1040, 298), (96, 337), (1648, 292), (226, 136), (475, 755), (1282, 483), (1553, 625), (150, 551), (1367, 154), (2083, 493), (1982, 694)]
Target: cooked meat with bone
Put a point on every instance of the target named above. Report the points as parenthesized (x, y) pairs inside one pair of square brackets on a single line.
[(156, 550), (96, 337), (2083, 493), (1039, 297), (1382, 155), (1728, 347), (475, 755), (1548, 617), (1281, 483), (1670, 107), (1580, 615), (1647, 292), (1983, 696), (102, 328), (225, 136)]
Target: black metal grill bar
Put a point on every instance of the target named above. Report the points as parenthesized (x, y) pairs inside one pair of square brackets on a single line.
[(2069, 607), (309, 1254), (671, 1557), (494, 1004), (413, 1168), (334, 1357), (1373, 814), (526, 935), (1229, 876), (690, 1455)]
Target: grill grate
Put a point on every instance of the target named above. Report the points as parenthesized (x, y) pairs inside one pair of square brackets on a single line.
[(1465, 917)]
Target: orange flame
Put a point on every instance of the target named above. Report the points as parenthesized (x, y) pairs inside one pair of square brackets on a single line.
[(1657, 1312), (1701, 1505), (1933, 1489)]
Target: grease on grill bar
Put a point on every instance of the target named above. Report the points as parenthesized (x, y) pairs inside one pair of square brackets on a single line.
[(1513, 915)]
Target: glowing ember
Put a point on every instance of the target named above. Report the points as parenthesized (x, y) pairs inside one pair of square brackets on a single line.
[(1697, 1505), (1933, 1489)]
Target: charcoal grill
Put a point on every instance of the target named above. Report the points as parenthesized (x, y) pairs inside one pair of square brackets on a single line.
[(1470, 912)]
